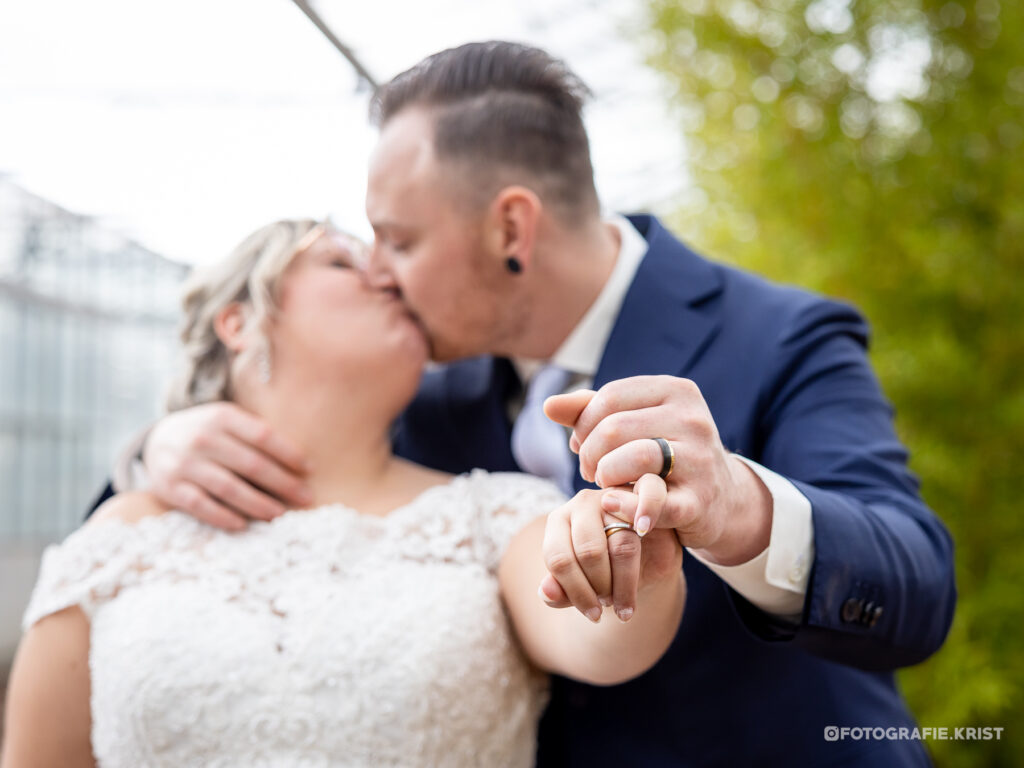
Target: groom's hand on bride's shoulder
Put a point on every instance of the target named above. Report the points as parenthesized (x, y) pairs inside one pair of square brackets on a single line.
[(595, 559), (224, 466)]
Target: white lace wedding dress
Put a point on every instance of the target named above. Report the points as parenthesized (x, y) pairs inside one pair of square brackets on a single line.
[(323, 638)]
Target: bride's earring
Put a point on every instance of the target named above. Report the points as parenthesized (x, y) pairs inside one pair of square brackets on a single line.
[(263, 364)]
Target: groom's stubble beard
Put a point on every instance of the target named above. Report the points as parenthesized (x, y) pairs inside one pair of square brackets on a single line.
[(508, 307)]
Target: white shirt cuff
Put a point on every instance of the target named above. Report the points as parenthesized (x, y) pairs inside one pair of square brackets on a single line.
[(129, 471), (776, 580)]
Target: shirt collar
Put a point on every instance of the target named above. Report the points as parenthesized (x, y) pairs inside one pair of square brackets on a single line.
[(583, 348)]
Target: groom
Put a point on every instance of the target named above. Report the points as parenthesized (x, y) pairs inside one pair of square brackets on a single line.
[(815, 570)]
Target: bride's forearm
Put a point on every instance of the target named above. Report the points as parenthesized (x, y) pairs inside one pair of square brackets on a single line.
[(564, 642), (611, 651)]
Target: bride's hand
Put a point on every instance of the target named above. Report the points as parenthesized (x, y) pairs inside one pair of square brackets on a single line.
[(589, 568)]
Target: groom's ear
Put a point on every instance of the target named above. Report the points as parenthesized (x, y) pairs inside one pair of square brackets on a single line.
[(229, 326), (513, 218)]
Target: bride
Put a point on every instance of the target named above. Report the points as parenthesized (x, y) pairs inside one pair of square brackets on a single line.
[(395, 621)]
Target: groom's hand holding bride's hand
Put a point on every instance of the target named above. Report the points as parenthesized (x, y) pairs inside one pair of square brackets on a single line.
[(715, 503), (589, 568)]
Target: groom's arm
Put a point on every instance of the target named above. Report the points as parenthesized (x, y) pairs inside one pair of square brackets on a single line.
[(881, 590), (128, 475), (218, 463), (107, 492)]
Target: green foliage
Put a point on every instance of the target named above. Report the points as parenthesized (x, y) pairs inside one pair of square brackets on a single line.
[(873, 150)]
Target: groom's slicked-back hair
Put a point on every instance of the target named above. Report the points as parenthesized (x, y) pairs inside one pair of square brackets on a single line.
[(507, 114)]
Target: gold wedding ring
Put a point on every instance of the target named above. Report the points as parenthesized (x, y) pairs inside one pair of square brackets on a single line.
[(613, 527)]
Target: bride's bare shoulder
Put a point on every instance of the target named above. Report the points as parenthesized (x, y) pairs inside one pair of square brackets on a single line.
[(128, 508)]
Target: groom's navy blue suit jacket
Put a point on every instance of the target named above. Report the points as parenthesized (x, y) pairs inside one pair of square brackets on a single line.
[(787, 380)]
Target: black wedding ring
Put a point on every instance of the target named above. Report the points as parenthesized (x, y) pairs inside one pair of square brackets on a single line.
[(668, 457)]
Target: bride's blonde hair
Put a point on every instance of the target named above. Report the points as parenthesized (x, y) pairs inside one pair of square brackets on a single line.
[(250, 275)]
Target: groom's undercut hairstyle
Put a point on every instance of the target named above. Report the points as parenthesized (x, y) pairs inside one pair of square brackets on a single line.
[(504, 113)]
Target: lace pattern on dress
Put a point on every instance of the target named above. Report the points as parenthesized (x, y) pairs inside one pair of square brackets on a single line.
[(324, 637)]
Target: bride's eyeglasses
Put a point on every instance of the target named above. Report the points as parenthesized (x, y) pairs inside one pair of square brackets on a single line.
[(356, 251)]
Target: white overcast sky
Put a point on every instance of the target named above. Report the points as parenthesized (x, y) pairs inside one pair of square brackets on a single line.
[(186, 124)]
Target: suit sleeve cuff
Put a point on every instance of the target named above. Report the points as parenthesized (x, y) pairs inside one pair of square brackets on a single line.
[(776, 580)]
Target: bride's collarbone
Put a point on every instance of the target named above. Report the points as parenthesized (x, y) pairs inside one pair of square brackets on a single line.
[(402, 488)]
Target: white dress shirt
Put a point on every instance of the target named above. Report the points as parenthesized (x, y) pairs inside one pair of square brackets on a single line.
[(776, 580)]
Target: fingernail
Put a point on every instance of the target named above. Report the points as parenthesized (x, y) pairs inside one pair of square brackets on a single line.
[(605, 601), (574, 443), (611, 504), (624, 614), (545, 598), (594, 614), (643, 525)]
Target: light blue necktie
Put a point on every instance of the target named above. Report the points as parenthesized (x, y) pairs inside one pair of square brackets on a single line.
[(540, 446)]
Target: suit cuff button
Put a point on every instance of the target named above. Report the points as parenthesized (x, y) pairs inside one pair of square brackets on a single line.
[(852, 610)]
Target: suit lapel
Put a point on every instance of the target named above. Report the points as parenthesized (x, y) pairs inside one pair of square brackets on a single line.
[(662, 325), (664, 322)]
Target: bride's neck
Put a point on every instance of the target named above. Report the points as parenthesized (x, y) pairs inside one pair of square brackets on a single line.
[(344, 434)]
